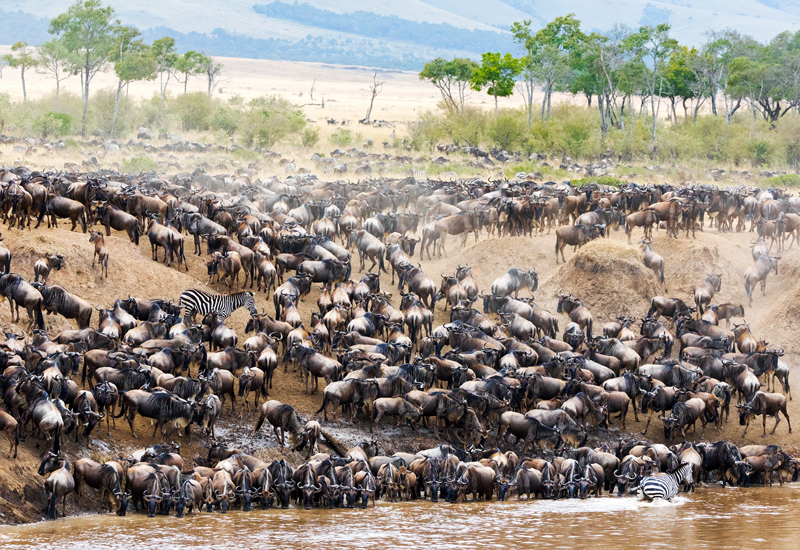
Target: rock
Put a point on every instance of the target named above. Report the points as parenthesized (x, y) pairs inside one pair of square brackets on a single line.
[(144, 133)]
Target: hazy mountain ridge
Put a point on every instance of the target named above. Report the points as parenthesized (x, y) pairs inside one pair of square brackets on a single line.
[(391, 34)]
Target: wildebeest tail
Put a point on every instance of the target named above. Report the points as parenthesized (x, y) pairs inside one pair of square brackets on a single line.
[(381, 264), (42, 210), (709, 414), (124, 406), (39, 319), (662, 273), (83, 374), (16, 435), (555, 328), (324, 403), (260, 421), (136, 233), (51, 508)]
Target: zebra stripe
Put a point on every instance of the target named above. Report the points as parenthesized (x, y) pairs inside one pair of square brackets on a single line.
[(664, 486), (197, 301)]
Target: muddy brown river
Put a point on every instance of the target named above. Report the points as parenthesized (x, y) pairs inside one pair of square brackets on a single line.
[(757, 518)]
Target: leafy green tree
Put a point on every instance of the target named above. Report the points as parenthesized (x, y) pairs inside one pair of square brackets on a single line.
[(22, 58), (451, 78), (133, 61), (166, 57), (213, 71), (679, 76), (53, 60), (547, 55), (87, 29), (652, 48), (191, 63), (497, 74)]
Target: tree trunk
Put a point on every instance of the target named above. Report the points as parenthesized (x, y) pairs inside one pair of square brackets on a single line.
[(185, 83), (116, 109), (210, 80), (85, 102), (495, 109), (369, 111), (713, 99), (24, 92), (58, 87)]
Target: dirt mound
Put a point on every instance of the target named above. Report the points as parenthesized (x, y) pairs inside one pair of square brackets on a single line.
[(609, 277)]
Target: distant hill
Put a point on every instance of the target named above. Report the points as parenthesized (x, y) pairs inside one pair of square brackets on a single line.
[(391, 34)]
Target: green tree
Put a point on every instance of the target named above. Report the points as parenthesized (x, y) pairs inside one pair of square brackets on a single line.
[(679, 77), (497, 74), (166, 57), (652, 48), (189, 64), (22, 58), (53, 58), (451, 78), (133, 61), (547, 55), (87, 29), (213, 71)]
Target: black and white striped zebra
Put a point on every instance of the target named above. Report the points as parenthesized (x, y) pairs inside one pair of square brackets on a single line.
[(198, 301), (664, 486)]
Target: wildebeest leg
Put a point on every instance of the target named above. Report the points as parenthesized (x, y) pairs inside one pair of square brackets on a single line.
[(777, 421)]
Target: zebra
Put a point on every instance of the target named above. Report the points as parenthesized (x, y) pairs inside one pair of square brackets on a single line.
[(664, 486), (197, 301)]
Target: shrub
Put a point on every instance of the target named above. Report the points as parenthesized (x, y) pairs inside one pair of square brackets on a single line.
[(226, 119), (602, 180), (467, 126), (760, 151), (342, 137), (509, 130), (194, 110), (53, 124), (270, 120), (785, 180), (310, 136), (139, 163)]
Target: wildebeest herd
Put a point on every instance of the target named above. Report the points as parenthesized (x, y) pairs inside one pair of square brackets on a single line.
[(486, 382)]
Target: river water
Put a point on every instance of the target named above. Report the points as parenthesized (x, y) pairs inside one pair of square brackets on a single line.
[(757, 518)]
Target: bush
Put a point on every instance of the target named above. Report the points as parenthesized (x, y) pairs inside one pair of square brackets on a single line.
[(101, 113), (342, 137), (270, 120), (468, 126), (194, 110), (53, 124), (310, 136), (424, 133), (760, 151), (602, 180), (786, 180), (139, 163), (509, 130), (226, 119)]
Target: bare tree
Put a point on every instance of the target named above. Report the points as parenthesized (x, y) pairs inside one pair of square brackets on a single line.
[(375, 88), (313, 83), (3, 65)]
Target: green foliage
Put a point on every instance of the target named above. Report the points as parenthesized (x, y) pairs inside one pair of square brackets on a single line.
[(497, 74), (310, 136), (509, 130), (342, 137), (268, 121), (468, 126), (53, 125), (425, 133), (226, 118), (785, 180), (602, 180), (451, 78), (760, 152), (194, 110), (139, 163)]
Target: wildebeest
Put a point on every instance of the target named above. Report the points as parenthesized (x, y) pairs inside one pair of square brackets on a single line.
[(161, 406), (764, 404), (18, 291), (704, 292), (758, 273), (43, 266), (576, 236), (283, 419), (514, 281)]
